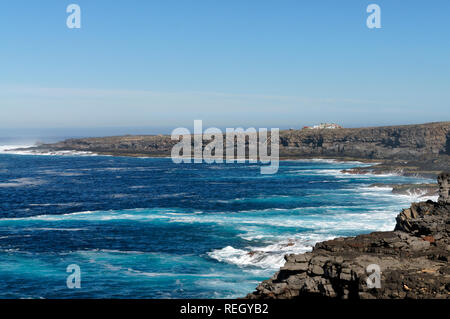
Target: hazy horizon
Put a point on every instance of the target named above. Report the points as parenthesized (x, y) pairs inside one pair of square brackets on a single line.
[(162, 65), (48, 135)]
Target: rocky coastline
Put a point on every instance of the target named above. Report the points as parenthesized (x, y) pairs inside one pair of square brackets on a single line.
[(410, 150), (421, 150), (412, 259), (419, 190)]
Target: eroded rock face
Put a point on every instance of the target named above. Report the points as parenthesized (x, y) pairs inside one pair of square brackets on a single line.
[(389, 142), (406, 142), (413, 260), (444, 188), (424, 219), (409, 150)]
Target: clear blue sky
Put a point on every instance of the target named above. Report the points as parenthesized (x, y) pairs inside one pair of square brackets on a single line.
[(163, 64)]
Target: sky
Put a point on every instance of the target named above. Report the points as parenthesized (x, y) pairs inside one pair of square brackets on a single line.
[(151, 66)]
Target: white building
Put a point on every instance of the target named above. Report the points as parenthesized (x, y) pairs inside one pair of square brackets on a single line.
[(323, 126)]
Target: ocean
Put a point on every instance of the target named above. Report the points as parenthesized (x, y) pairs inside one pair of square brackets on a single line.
[(149, 228)]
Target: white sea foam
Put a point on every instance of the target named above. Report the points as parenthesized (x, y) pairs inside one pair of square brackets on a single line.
[(22, 150), (329, 161), (131, 271), (338, 173), (22, 182), (62, 173), (270, 256), (419, 195), (325, 220), (11, 148), (261, 228)]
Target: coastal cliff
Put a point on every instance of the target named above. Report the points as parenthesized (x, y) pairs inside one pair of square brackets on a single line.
[(388, 142), (422, 149), (413, 260)]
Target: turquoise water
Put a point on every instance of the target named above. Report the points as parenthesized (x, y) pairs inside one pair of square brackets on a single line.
[(148, 228)]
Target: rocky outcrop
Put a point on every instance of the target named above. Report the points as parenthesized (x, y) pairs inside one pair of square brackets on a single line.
[(411, 150), (425, 219), (444, 188), (141, 145), (419, 190), (427, 167), (407, 150), (412, 261), (389, 142)]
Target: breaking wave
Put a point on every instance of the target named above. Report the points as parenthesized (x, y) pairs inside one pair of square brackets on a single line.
[(202, 230), (23, 150)]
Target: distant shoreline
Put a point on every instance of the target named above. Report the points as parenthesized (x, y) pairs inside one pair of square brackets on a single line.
[(421, 150)]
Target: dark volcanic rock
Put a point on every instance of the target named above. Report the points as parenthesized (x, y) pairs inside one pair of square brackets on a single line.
[(407, 150), (425, 166), (444, 188), (140, 145), (413, 260), (389, 142), (416, 189), (411, 189), (424, 219)]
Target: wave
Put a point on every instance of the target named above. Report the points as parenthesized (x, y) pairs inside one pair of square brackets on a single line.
[(11, 148), (337, 174), (271, 216), (22, 182), (103, 258), (370, 192), (271, 233), (270, 256), (53, 229), (380, 191), (131, 271), (329, 161), (22, 150)]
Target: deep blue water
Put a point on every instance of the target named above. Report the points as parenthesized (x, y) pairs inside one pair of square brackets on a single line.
[(148, 228)]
